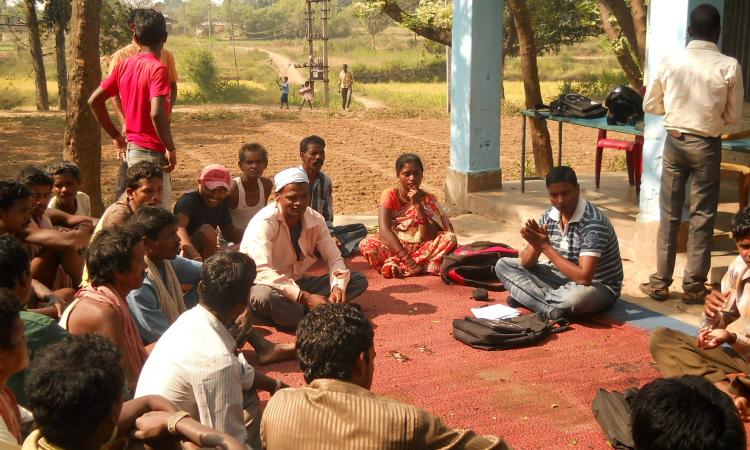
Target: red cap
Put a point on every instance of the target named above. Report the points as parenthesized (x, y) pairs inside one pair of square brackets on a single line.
[(215, 175)]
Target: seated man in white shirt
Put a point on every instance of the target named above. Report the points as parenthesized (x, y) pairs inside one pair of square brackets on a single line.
[(284, 239), (194, 364)]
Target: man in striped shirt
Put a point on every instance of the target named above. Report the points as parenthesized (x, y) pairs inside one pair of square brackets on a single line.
[(583, 273)]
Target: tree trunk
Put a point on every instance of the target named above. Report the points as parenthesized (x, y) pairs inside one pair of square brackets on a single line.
[(35, 46), (624, 16), (527, 51), (638, 10), (62, 70), (372, 39), (82, 133), (623, 54)]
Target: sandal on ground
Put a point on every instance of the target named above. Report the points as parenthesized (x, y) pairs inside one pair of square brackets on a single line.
[(695, 298), (656, 294)]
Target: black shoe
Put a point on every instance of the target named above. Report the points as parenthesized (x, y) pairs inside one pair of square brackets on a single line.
[(695, 298), (557, 314), (512, 302)]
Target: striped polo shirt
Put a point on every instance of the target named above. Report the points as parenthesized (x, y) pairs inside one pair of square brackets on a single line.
[(589, 233)]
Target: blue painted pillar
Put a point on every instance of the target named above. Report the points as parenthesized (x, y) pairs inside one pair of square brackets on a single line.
[(667, 32), (477, 56)]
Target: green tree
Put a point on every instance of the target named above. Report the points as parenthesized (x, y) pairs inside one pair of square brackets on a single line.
[(372, 17), (37, 60), (57, 17), (114, 22)]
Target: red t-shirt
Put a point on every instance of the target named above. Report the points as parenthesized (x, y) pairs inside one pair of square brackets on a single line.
[(137, 80)]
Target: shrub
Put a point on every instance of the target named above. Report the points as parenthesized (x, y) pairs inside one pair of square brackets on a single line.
[(596, 86), (425, 71), (203, 72)]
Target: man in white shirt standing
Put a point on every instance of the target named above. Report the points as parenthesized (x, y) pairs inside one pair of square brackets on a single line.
[(285, 239), (194, 364), (698, 91)]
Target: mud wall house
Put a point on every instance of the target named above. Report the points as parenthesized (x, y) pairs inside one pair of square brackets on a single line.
[(216, 27)]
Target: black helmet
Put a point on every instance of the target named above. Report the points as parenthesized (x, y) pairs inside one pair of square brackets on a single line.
[(625, 106)]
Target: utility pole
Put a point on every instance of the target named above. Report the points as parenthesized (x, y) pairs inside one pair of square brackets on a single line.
[(324, 31), (318, 67), (209, 24)]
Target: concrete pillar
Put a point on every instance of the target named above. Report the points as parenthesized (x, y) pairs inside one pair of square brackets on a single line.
[(668, 22), (475, 98)]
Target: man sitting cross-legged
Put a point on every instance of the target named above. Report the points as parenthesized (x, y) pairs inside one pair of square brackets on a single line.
[(57, 252), (726, 312), (584, 271), (160, 300), (115, 260), (312, 151), (250, 191), (66, 178), (285, 239), (194, 364), (335, 345), (143, 187), (199, 214), (39, 329), (75, 391), (15, 220)]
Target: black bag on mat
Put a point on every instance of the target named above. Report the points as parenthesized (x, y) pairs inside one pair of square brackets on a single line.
[(612, 411), (521, 331), (474, 264)]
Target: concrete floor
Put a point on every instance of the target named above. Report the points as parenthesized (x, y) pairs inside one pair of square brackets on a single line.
[(503, 213)]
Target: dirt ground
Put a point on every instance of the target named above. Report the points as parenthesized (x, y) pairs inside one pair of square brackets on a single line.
[(361, 147)]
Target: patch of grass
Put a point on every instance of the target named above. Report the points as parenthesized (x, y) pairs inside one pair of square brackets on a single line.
[(17, 92), (433, 95), (207, 116)]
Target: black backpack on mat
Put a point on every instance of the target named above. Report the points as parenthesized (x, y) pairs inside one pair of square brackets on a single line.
[(500, 334), (474, 265)]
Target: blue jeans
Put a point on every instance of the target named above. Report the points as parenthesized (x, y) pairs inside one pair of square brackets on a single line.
[(541, 289), (137, 154)]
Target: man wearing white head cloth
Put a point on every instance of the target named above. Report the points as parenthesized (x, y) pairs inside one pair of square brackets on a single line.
[(285, 238)]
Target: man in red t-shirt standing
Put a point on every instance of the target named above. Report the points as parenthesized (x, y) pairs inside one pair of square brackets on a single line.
[(142, 83)]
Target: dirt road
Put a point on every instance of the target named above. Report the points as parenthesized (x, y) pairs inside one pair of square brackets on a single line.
[(285, 67)]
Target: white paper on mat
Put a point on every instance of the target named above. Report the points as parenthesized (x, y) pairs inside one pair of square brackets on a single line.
[(496, 311)]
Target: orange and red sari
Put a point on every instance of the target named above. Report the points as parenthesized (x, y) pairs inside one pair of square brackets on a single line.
[(426, 254)]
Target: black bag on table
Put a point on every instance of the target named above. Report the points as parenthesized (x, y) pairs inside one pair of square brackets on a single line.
[(521, 331), (577, 105)]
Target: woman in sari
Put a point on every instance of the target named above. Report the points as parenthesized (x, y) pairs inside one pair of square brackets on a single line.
[(414, 233)]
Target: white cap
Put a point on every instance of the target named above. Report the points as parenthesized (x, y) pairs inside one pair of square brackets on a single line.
[(289, 176)]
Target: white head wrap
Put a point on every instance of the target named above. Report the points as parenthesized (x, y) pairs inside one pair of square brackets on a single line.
[(289, 176)]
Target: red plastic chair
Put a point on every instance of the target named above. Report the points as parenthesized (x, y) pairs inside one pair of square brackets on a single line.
[(633, 156)]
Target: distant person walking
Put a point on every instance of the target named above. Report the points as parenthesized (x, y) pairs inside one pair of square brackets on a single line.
[(307, 95), (698, 91), (121, 55), (346, 80), (142, 84), (284, 87)]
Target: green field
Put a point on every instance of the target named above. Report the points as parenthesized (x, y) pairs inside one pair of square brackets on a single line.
[(396, 46), (434, 95)]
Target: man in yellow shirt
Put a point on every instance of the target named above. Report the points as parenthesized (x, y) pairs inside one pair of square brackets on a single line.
[(346, 80), (121, 55)]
